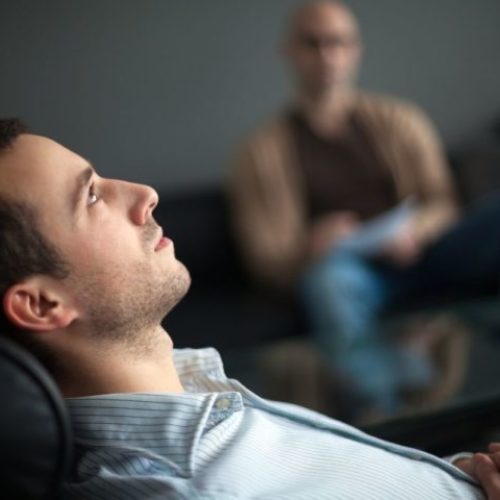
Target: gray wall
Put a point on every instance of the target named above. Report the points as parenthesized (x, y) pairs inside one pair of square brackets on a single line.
[(160, 90)]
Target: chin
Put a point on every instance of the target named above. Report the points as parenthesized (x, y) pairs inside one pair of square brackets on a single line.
[(181, 282)]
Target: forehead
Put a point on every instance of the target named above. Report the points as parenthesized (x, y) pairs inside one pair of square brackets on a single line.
[(36, 166), (324, 18)]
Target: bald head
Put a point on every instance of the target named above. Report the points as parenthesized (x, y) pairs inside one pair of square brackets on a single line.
[(323, 45), (317, 10)]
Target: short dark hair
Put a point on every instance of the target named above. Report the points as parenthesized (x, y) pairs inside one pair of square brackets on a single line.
[(10, 130), (24, 251)]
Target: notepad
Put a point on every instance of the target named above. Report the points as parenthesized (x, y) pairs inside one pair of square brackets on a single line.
[(372, 236)]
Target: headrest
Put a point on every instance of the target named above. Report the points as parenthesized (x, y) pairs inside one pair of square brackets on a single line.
[(35, 435)]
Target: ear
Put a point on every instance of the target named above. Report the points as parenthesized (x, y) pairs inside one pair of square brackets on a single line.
[(36, 306)]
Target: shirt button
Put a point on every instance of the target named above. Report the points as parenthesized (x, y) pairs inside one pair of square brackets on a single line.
[(223, 404)]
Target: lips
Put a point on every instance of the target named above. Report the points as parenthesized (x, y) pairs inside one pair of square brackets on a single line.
[(163, 241)]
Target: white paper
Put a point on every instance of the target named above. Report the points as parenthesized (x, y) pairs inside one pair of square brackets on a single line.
[(374, 235)]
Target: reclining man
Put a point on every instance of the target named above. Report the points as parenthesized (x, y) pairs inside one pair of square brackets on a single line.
[(86, 278)]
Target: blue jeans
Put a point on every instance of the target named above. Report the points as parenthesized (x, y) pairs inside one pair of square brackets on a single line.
[(344, 295)]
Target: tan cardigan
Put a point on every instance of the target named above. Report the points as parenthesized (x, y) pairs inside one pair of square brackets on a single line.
[(267, 190)]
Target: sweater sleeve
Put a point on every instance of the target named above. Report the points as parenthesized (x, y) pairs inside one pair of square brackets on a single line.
[(428, 171), (266, 223)]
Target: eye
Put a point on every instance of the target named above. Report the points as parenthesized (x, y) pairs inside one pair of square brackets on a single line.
[(93, 196)]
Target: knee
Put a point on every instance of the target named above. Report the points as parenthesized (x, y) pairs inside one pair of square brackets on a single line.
[(340, 275)]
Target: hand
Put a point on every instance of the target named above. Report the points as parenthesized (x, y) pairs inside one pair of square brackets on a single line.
[(485, 467), (329, 230), (404, 249)]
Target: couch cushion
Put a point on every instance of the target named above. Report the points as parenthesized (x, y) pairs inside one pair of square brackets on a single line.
[(197, 220)]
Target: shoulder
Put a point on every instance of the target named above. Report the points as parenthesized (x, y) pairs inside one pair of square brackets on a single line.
[(264, 148), (389, 110), (273, 130)]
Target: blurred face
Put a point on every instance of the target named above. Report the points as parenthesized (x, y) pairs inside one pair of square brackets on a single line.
[(123, 271), (324, 48)]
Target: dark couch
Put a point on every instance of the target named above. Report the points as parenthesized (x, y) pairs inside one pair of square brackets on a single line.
[(222, 309)]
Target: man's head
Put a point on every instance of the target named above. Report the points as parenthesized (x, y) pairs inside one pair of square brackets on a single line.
[(81, 258), (323, 46)]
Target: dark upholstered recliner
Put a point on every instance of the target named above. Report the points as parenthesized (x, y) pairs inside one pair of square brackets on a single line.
[(35, 435)]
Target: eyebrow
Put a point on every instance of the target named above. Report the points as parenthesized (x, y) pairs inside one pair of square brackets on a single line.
[(82, 181)]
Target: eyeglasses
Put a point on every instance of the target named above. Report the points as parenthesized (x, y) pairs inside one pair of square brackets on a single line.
[(328, 42)]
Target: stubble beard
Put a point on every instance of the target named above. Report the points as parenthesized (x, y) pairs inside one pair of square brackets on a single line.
[(128, 313)]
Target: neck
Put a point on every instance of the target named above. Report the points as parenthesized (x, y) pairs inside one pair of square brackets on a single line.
[(327, 111), (120, 369)]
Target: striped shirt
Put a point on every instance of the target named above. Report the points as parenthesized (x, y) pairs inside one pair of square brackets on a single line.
[(219, 441)]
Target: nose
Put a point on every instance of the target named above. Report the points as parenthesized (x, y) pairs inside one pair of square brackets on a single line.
[(144, 201), (328, 51)]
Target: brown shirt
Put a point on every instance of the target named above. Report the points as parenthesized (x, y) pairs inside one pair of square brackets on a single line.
[(342, 173)]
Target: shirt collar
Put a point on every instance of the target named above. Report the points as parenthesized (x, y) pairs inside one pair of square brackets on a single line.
[(167, 425), (191, 362)]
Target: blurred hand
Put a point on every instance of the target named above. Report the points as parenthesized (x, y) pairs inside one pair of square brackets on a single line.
[(329, 230), (404, 249), (485, 467), (487, 470)]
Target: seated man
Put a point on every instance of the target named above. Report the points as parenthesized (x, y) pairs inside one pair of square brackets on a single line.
[(86, 277), (337, 158)]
